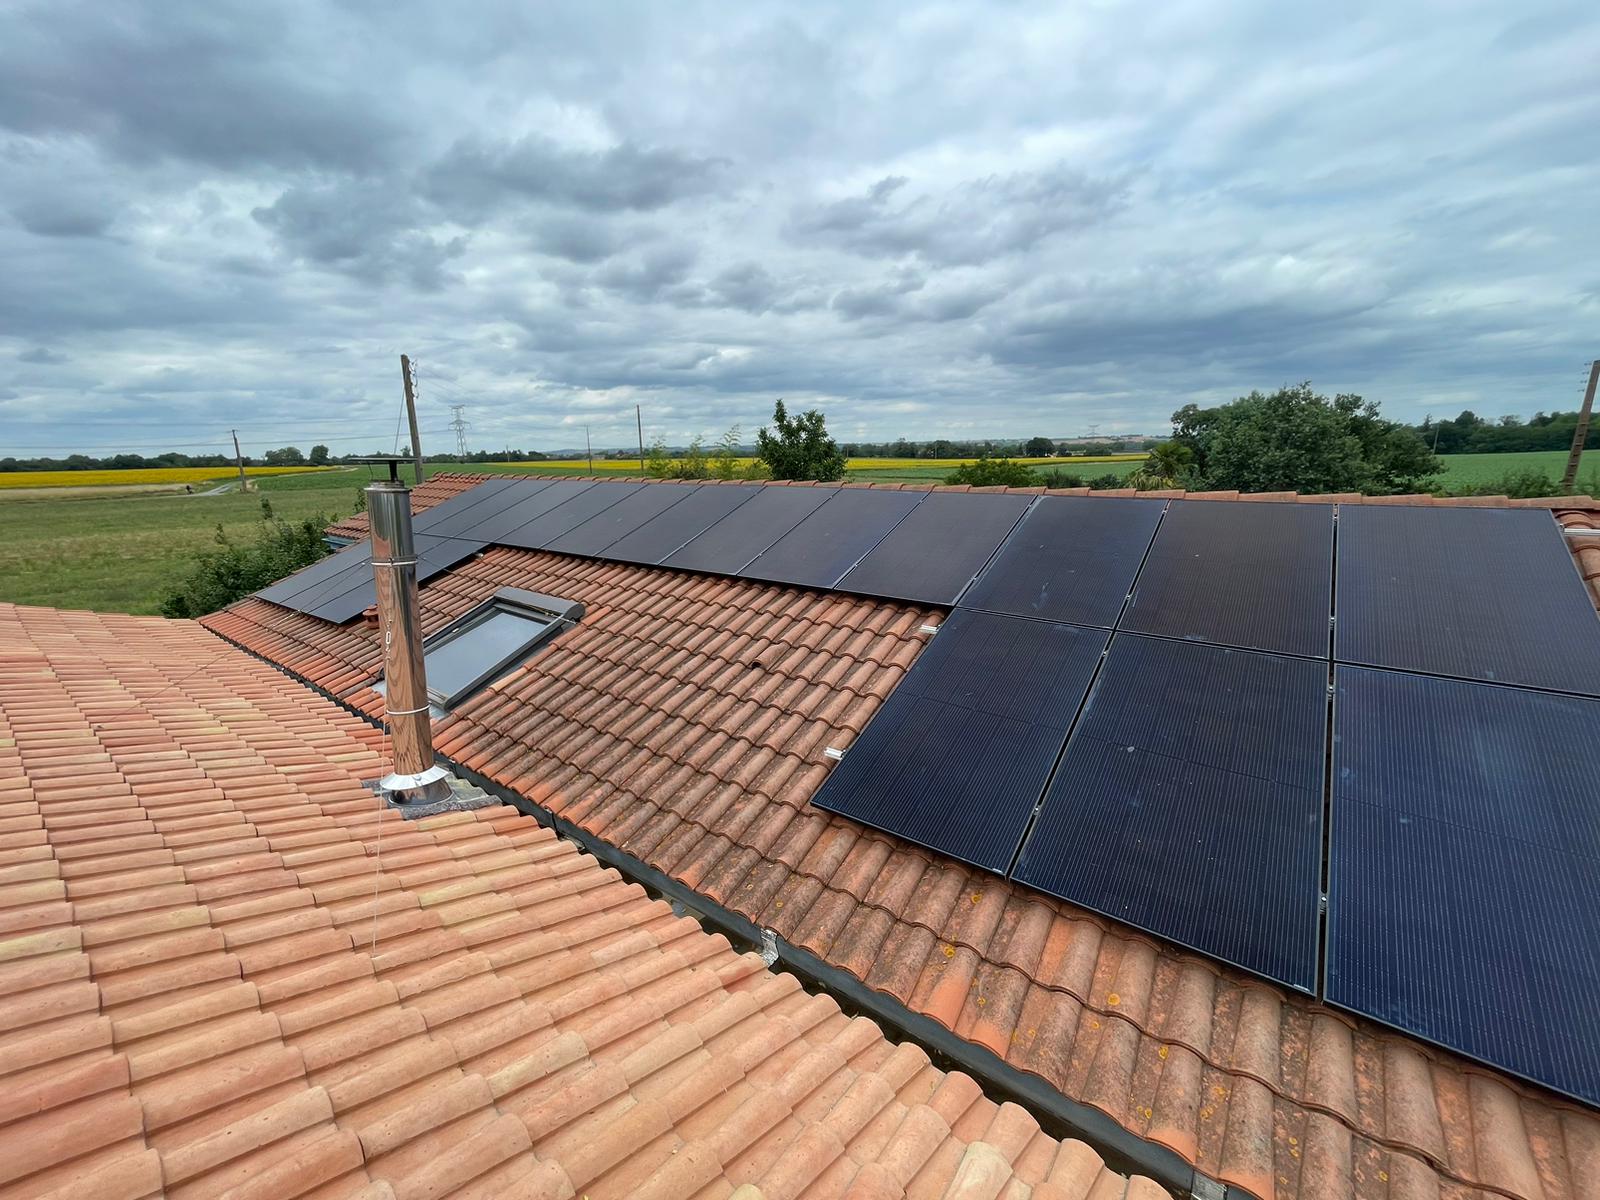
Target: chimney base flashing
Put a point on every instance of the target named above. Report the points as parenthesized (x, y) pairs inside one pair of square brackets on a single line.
[(408, 791)]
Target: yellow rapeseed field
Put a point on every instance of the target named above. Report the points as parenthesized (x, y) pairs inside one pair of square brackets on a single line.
[(136, 476)]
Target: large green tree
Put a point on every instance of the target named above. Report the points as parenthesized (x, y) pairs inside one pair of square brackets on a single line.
[(799, 447), (1296, 440)]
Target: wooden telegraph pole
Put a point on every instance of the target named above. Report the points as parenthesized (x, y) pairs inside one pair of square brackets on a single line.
[(411, 416), (1570, 479), (244, 485), (638, 419)]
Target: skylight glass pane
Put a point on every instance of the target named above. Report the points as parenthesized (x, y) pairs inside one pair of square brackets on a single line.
[(459, 662)]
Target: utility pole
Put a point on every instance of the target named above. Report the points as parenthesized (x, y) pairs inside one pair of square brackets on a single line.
[(1570, 479), (638, 419), (238, 458), (411, 416), (460, 425), (588, 449)]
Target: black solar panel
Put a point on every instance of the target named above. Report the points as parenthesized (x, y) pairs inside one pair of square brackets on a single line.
[(356, 591), (538, 533), (461, 513), (1463, 902), (528, 499), (622, 518), (957, 757), (818, 551), (1072, 558), (1477, 593), (1254, 575), (932, 555), (1189, 803), (702, 508), (285, 590), (729, 545)]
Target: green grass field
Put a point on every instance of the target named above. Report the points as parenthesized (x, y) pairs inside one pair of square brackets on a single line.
[(1486, 468), (117, 551)]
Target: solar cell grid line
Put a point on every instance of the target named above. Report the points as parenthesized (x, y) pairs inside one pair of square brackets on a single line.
[(1464, 850), (595, 535), (1189, 803), (1255, 575), (1491, 594), (324, 568), (434, 555), (1070, 558), (466, 509), (828, 542), (331, 584), (732, 543), (538, 533), (533, 498), (659, 537), (957, 756), (932, 555)]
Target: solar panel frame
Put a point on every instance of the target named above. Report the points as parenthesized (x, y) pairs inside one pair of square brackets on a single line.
[(538, 533), (434, 556), (453, 518), (593, 537), (731, 544), (1256, 576), (1070, 559), (935, 553), (1463, 849), (957, 757), (822, 548), (659, 537), (1189, 803), (284, 591), (533, 498), (1491, 594)]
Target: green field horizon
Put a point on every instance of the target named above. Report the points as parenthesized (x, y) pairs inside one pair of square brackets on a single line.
[(119, 551)]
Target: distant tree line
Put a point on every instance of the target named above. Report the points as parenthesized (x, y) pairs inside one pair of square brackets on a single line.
[(1471, 434), (1035, 447)]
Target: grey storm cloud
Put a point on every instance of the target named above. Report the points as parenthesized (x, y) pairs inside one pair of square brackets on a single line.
[(973, 222), (920, 219)]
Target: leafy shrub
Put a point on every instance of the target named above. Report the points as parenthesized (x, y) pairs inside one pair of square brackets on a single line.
[(800, 448), (994, 472), (234, 570), (1057, 478), (1524, 483)]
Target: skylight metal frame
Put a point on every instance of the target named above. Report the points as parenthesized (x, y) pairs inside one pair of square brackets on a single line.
[(557, 614)]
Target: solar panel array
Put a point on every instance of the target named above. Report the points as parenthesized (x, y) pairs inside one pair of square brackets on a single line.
[(1136, 705)]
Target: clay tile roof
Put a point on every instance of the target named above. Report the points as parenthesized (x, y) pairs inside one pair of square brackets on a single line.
[(435, 489), (686, 726), (226, 970)]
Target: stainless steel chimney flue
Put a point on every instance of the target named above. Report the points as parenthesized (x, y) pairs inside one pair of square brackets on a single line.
[(417, 779)]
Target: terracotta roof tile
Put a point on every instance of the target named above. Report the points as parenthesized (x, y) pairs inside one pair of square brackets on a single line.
[(688, 728), (462, 1005)]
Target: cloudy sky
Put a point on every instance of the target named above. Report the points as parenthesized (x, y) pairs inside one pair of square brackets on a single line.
[(925, 219)]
